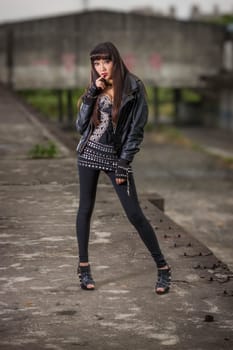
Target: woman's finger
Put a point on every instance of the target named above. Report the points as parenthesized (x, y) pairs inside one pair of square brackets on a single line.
[(100, 83), (120, 181)]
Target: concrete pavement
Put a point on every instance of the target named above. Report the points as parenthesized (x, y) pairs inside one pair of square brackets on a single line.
[(197, 188), (41, 304), (215, 141)]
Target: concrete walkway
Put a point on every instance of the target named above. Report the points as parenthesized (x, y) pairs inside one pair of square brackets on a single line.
[(41, 304), (215, 141)]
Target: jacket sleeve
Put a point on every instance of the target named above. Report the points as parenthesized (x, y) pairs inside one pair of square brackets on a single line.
[(83, 117), (135, 136), (86, 109)]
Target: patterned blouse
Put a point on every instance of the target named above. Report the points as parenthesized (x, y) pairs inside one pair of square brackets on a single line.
[(99, 152)]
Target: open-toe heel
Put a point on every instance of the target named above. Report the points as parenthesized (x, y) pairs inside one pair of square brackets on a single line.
[(164, 281), (85, 277)]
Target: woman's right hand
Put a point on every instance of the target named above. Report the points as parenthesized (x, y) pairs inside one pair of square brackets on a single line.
[(100, 84)]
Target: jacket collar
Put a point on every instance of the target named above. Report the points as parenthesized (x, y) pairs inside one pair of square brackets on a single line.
[(130, 85)]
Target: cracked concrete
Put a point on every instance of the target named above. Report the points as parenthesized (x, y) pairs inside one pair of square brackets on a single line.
[(41, 304)]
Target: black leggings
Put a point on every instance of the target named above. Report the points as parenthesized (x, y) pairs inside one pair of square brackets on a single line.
[(88, 184)]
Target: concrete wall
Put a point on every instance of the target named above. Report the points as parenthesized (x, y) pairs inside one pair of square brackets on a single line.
[(54, 52), (3, 54)]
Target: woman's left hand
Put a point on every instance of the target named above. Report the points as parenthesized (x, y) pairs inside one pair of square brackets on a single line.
[(120, 180), (121, 171)]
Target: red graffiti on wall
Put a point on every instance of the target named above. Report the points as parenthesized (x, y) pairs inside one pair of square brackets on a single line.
[(41, 62), (155, 60), (68, 61)]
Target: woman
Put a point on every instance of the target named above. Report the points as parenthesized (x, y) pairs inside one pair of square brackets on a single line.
[(111, 120)]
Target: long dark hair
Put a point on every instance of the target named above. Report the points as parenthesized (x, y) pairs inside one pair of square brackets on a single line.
[(119, 72)]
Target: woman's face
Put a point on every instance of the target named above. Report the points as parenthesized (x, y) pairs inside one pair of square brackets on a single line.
[(104, 68)]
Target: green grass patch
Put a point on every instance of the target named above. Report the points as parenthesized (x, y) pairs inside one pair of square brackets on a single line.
[(228, 161), (169, 134), (48, 150), (172, 134), (191, 96)]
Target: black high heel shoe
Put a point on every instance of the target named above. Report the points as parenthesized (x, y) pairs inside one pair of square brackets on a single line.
[(85, 277), (164, 281)]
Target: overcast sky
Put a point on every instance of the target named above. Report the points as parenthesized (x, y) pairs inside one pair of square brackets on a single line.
[(22, 9)]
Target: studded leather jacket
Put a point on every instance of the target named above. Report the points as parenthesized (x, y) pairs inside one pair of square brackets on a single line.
[(133, 114)]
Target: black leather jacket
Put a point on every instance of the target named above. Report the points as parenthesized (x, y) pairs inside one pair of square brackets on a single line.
[(133, 114)]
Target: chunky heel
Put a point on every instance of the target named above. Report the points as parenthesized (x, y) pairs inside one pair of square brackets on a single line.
[(164, 281), (85, 277)]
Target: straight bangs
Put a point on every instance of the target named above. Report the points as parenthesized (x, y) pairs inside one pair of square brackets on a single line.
[(100, 56)]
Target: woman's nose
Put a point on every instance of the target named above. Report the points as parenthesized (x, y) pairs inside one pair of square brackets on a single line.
[(103, 66)]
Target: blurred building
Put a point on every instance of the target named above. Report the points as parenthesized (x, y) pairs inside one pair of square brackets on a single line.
[(214, 15), (52, 53), (195, 12), (221, 82), (172, 11), (147, 10), (152, 11)]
